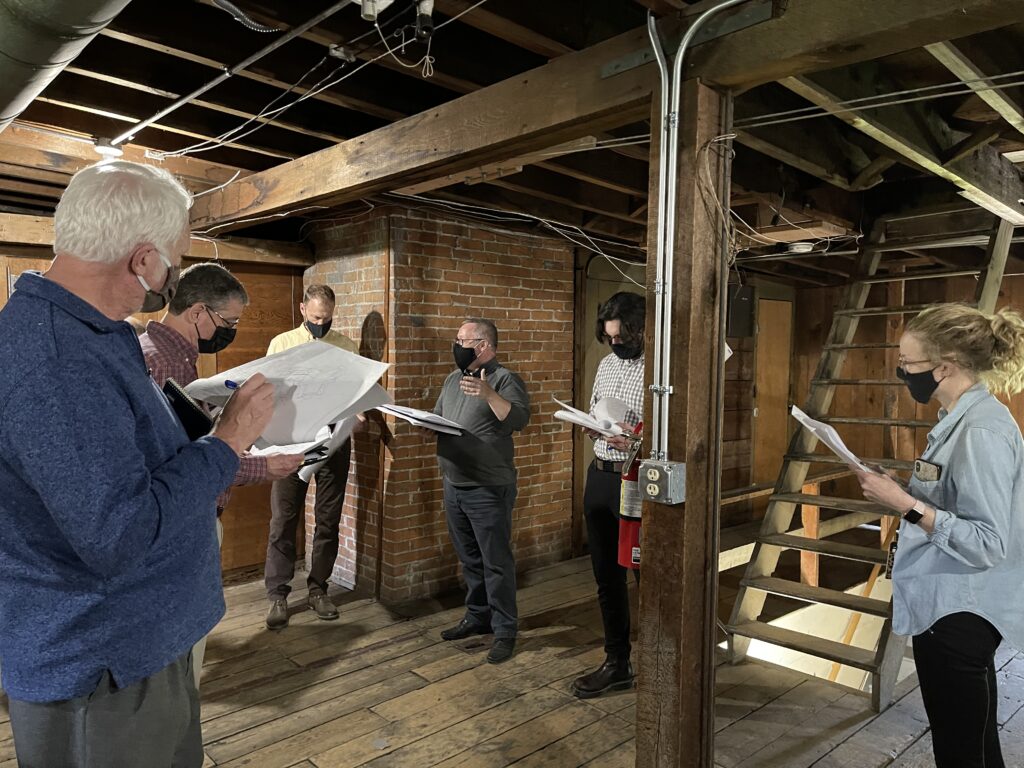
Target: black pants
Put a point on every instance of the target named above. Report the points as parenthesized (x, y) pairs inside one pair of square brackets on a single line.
[(153, 723), (601, 508), (955, 660), (288, 505), (480, 525)]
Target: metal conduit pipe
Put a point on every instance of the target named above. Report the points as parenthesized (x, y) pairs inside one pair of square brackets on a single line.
[(38, 38), (669, 167)]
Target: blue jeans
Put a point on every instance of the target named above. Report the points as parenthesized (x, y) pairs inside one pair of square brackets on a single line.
[(480, 525)]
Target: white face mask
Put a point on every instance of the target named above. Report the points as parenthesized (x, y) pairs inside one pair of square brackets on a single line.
[(157, 300)]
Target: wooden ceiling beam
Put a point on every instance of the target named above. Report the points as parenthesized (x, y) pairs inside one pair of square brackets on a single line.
[(662, 7), (547, 186), (328, 96), (493, 24), (37, 231), (917, 132), (22, 146), (604, 170), (973, 65)]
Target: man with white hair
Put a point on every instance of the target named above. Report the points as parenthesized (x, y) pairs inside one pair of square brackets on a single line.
[(109, 567)]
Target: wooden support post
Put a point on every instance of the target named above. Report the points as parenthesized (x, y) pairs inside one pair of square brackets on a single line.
[(675, 703), (811, 519)]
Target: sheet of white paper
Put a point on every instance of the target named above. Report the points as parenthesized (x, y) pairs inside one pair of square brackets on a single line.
[(610, 409), (828, 435), (419, 418), (728, 351), (314, 384), (342, 432), (584, 419), (321, 437)]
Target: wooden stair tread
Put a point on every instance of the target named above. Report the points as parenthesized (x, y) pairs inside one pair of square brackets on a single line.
[(821, 595), (865, 345), (833, 502), (829, 458), (838, 549), (862, 382), (935, 274), (879, 421), (907, 309), (800, 641)]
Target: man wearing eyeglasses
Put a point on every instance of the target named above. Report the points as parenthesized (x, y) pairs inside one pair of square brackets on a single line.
[(202, 317), (490, 403)]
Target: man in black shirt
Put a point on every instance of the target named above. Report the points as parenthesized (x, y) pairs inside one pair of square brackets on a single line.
[(490, 403)]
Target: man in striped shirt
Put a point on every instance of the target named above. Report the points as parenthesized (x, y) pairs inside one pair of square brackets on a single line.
[(620, 323)]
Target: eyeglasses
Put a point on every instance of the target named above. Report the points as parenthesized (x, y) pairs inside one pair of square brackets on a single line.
[(617, 339), (902, 362), (467, 342), (228, 323)]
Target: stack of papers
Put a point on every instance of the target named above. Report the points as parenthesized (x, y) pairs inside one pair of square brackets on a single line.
[(605, 425), (828, 435), (420, 418)]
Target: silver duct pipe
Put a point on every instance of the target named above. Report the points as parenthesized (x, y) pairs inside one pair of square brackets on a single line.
[(667, 194), (38, 38)]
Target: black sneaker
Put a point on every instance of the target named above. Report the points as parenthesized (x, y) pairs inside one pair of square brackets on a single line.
[(277, 615), (464, 629), (501, 650), (614, 675)]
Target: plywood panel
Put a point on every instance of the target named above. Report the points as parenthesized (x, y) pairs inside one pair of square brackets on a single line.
[(771, 389)]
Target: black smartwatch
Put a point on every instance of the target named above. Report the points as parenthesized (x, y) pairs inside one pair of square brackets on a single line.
[(913, 515)]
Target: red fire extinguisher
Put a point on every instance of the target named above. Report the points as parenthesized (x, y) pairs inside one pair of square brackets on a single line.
[(630, 506)]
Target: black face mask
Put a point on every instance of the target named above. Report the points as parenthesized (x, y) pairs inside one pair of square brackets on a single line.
[(318, 331), (220, 339), (921, 385), (464, 357), (628, 351)]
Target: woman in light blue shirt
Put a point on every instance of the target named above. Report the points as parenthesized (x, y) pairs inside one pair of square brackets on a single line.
[(958, 576)]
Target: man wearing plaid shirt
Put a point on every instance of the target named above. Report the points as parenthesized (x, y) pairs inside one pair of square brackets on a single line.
[(620, 323), (202, 317)]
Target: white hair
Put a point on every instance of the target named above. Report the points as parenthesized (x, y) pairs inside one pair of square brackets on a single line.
[(110, 208)]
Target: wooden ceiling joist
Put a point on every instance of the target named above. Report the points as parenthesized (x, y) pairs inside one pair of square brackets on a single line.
[(503, 28), (917, 132), (37, 231)]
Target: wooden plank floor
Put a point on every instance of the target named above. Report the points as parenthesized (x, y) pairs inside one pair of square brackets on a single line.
[(379, 688)]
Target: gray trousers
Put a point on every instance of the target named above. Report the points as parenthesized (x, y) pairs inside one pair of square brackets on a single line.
[(288, 508), (151, 724), (480, 526)]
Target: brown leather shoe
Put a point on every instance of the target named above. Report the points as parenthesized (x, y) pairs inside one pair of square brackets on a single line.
[(277, 615), (323, 606)]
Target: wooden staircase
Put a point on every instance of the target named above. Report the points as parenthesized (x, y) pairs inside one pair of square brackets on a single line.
[(882, 662)]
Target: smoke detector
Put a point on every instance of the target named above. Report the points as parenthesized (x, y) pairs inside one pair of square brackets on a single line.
[(801, 246)]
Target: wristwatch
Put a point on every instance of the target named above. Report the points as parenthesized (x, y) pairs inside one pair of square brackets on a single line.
[(915, 513)]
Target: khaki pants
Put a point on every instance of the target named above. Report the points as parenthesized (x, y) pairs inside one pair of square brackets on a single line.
[(199, 649)]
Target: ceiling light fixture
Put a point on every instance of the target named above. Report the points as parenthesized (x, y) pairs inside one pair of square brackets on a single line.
[(106, 148)]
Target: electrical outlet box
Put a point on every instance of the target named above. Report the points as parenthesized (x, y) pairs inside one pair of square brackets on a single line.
[(663, 481)]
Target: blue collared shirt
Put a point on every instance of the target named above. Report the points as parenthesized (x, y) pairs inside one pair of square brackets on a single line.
[(108, 549), (974, 559)]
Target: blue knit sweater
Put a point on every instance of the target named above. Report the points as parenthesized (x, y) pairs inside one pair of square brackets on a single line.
[(108, 550)]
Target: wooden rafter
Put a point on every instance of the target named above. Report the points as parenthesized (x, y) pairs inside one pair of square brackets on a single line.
[(505, 29)]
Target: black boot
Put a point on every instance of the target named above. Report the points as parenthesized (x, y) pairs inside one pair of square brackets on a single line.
[(614, 675)]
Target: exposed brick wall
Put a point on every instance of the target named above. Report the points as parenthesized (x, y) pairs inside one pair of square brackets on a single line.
[(440, 272), (353, 259)]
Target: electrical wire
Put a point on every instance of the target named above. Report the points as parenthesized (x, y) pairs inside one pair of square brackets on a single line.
[(234, 134)]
